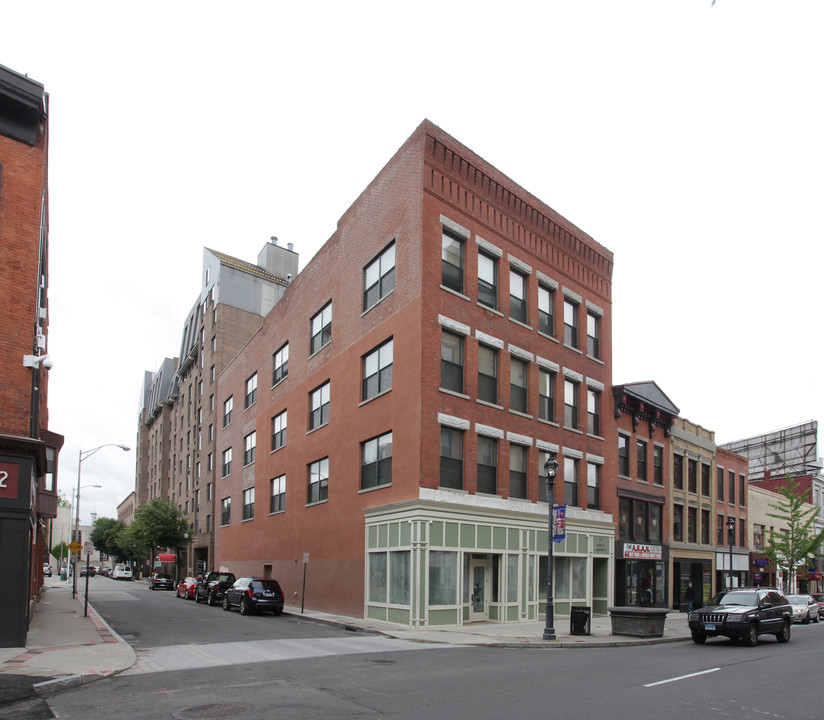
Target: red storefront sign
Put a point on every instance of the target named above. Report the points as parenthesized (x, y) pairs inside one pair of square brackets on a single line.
[(637, 551)]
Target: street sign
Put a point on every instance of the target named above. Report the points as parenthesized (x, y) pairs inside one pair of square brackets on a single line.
[(75, 547), (88, 547)]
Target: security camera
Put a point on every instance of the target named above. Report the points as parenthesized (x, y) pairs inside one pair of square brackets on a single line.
[(47, 363)]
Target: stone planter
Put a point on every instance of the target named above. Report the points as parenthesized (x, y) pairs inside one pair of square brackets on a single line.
[(638, 621)]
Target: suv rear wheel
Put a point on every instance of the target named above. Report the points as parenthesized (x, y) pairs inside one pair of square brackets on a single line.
[(784, 635)]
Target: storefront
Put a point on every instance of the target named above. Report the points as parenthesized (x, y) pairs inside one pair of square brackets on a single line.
[(740, 575), (641, 574), (697, 571), (439, 563)]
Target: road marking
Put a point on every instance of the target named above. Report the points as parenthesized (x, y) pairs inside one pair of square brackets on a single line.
[(682, 677)]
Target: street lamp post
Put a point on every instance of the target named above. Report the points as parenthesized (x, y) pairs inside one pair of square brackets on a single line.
[(730, 535), (550, 470), (85, 455)]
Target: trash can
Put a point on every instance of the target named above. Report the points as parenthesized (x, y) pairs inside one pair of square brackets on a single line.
[(579, 620)]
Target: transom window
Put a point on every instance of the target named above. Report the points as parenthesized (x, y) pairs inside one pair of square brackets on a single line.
[(279, 430), (452, 261), (318, 481), (487, 281), (377, 370), (379, 277), (321, 328), (376, 461), (280, 364), (319, 406)]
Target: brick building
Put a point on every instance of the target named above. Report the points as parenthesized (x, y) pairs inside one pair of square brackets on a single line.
[(177, 418), (28, 449), (381, 439)]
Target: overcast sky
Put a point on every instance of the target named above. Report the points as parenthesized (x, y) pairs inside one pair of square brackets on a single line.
[(686, 137)]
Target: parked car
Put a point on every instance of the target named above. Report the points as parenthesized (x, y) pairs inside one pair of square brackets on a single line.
[(47, 571), (254, 594), (805, 608), (161, 581), (819, 598), (743, 614), (122, 572), (87, 571), (212, 587), (186, 588)]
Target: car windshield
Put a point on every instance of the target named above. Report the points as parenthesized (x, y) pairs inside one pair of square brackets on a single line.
[(797, 600), (223, 577), (736, 597)]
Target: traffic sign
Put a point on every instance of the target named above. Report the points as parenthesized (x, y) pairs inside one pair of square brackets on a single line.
[(75, 547), (88, 547)]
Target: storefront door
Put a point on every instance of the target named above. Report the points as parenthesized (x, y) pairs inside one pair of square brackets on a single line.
[(479, 590)]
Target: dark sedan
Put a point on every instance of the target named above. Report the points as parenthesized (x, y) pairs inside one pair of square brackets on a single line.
[(254, 594), (161, 581)]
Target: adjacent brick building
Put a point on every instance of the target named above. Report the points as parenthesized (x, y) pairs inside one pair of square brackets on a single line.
[(381, 439)]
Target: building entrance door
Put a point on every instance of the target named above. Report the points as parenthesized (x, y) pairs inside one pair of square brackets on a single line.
[(479, 595)]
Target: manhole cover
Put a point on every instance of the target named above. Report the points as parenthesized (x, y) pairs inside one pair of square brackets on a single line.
[(212, 710)]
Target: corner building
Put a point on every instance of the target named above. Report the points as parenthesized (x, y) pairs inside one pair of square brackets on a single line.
[(383, 435)]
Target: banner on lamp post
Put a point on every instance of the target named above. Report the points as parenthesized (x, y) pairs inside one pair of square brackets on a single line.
[(558, 523)]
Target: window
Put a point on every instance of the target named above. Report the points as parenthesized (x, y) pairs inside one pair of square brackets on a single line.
[(225, 510), (593, 486), (443, 578), (639, 520), (571, 404), (705, 527), (692, 522), (705, 480), (321, 329), (488, 374), (251, 391), (546, 395), (319, 406), (570, 323), (678, 472), (678, 523), (517, 471), (623, 455), (376, 461), (279, 430), (318, 481), (377, 370), (280, 364), (277, 499), (379, 277), (757, 537), (658, 465), (731, 487), (452, 261), (692, 476), (719, 530), (517, 385), (487, 281), (227, 411), (227, 461), (517, 296), (593, 412), (742, 491), (399, 577), (546, 315), (249, 443), (377, 577), (487, 465), (641, 446), (719, 484), (249, 503), (570, 481), (742, 533), (451, 458), (451, 362), (593, 335)]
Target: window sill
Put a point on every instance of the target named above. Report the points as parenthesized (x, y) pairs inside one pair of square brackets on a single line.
[(520, 324), (378, 302), (520, 414), (274, 450), (490, 309), (374, 397), (277, 512), (489, 404), (596, 359), (575, 430), (574, 349), (317, 502), (376, 487), (453, 393), (594, 436), (549, 337), (456, 293), (319, 427), (245, 520), (548, 422), (280, 382), (319, 350)]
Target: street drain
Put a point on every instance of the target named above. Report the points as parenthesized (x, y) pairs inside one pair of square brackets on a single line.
[(212, 710)]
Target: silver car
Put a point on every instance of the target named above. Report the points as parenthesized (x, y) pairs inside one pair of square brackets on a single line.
[(804, 608)]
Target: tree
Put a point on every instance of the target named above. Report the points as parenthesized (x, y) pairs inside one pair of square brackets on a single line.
[(104, 535), (61, 552), (160, 524), (796, 539)]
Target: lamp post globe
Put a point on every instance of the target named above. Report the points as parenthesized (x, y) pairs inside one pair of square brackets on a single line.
[(550, 470)]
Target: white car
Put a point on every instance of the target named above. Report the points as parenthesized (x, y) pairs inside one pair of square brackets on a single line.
[(122, 572), (47, 571), (804, 608)]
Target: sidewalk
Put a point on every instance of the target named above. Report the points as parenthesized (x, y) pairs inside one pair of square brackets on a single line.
[(65, 648)]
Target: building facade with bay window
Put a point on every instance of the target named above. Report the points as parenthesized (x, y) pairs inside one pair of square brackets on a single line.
[(451, 334)]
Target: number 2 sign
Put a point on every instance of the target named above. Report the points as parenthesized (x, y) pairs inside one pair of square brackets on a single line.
[(9, 476)]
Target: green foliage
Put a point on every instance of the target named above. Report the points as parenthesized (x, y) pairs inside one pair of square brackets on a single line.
[(796, 539), (61, 552), (161, 525)]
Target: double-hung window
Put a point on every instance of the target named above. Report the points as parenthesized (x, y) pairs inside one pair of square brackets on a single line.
[(517, 471), (546, 315), (593, 335), (451, 458), (593, 412), (487, 465), (488, 374), (452, 261), (623, 455), (321, 329), (249, 503), (452, 361), (225, 511), (227, 462), (487, 281), (376, 461), (227, 411), (251, 391), (279, 430), (379, 277), (570, 404), (318, 481), (570, 323), (517, 296), (319, 400), (277, 494), (249, 443), (377, 370), (280, 364), (570, 481), (593, 486), (642, 460), (658, 465), (546, 395), (518, 385)]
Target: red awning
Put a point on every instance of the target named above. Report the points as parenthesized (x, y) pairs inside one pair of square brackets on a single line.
[(165, 557)]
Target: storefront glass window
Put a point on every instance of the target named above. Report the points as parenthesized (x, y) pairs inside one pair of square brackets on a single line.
[(377, 577), (443, 578), (399, 578), (561, 588), (512, 578), (579, 577)]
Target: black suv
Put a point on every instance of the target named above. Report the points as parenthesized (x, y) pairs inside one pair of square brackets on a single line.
[(743, 614), (254, 594), (213, 587)]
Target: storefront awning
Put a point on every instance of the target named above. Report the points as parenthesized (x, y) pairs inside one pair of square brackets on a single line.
[(165, 557)]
